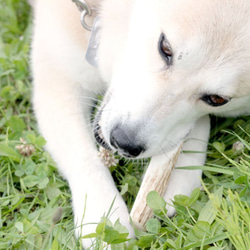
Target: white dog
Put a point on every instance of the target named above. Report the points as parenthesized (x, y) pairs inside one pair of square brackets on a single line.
[(165, 65)]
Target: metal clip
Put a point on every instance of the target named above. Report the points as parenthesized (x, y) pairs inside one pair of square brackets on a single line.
[(85, 11)]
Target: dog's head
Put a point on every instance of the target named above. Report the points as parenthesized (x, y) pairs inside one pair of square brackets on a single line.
[(168, 64)]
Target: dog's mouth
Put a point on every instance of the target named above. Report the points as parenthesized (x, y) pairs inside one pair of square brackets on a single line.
[(99, 137), (98, 131)]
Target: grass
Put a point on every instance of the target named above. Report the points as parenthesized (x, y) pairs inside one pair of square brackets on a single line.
[(35, 208)]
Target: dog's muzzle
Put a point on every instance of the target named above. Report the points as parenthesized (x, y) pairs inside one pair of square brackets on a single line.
[(124, 142), (121, 141)]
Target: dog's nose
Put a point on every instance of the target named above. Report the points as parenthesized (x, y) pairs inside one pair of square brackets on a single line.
[(125, 142)]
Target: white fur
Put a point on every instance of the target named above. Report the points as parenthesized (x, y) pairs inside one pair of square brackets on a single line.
[(210, 42)]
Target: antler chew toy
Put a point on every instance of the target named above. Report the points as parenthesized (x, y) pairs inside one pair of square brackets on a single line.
[(156, 178)]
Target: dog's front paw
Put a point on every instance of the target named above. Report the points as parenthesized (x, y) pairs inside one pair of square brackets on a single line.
[(102, 234), (181, 182), (92, 204)]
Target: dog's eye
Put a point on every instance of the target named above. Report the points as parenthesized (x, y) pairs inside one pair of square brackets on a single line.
[(165, 49), (215, 100)]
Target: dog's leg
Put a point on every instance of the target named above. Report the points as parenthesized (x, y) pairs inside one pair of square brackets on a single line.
[(64, 87), (185, 181), (62, 115)]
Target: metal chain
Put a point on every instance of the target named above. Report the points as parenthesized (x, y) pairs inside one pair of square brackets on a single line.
[(85, 10)]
